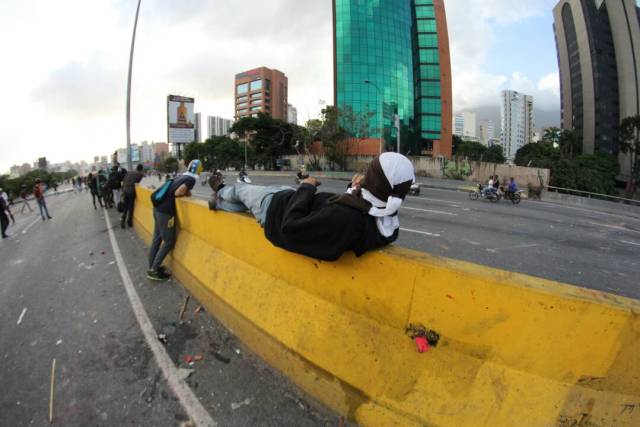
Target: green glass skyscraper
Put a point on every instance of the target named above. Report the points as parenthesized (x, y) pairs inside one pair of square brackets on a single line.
[(391, 57)]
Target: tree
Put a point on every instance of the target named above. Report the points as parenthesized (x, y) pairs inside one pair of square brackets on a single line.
[(270, 138), (333, 135), (170, 165), (494, 154), (630, 145)]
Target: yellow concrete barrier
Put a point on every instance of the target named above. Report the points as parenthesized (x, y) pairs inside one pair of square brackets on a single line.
[(514, 351)]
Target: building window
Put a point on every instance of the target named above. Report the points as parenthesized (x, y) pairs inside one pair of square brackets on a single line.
[(244, 110), (433, 106), (242, 98), (428, 40), (257, 95), (427, 26), (430, 72), (429, 56), (258, 108), (267, 84), (256, 101), (256, 85), (243, 88), (430, 89), (243, 104), (425, 12)]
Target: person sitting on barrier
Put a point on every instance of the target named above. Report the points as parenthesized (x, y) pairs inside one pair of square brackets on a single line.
[(325, 225)]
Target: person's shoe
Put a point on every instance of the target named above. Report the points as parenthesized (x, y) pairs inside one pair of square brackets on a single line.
[(216, 181), (157, 275), (163, 270), (122, 225), (130, 224), (4, 236), (49, 217)]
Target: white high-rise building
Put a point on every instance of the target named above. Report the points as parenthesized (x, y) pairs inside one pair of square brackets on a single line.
[(464, 125), (487, 131), (292, 114), (516, 123), (218, 126)]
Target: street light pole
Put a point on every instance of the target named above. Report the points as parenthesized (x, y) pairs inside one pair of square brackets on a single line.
[(369, 82), (133, 43)]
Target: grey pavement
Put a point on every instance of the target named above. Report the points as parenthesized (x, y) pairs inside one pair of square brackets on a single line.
[(63, 273), (582, 247)]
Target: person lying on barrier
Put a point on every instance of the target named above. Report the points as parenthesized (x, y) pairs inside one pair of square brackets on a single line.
[(325, 225)]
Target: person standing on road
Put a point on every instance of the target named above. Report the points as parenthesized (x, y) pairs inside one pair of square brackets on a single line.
[(164, 232), (115, 184), (92, 183), (129, 193), (25, 203), (4, 221), (38, 193), (4, 195)]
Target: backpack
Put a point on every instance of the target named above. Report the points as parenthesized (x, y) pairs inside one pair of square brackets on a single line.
[(158, 196)]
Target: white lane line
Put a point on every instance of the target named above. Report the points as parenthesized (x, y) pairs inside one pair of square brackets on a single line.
[(629, 243), (408, 230), (430, 211), (192, 406), (26, 229), (450, 202), (511, 248), (24, 310)]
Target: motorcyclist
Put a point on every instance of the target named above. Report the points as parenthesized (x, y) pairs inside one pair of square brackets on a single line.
[(513, 187)]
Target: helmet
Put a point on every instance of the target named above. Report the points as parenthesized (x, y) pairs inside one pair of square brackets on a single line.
[(195, 167)]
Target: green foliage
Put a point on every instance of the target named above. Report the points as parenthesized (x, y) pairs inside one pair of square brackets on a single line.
[(630, 145), (559, 152), (217, 152), (170, 165), (269, 138), (477, 152), (14, 186)]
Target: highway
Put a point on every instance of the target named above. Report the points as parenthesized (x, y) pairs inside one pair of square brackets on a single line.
[(581, 247)]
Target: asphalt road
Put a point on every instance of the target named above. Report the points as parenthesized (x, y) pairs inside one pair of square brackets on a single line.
[(572, 245), (62, 297)]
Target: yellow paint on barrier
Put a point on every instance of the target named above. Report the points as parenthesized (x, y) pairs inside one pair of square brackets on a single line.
[(515, 350)]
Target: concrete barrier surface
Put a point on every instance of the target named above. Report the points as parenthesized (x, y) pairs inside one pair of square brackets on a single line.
[(514, 349)]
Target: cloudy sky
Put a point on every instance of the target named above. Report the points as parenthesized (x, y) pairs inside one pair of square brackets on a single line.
[(65, 63)]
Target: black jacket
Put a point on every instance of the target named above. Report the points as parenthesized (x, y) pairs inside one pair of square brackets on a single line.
[(310, 224)]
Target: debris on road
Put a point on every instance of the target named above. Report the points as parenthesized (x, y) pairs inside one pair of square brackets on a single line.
[(58, 342), (184, 373), (198, 309), (24, 310), (53, 380), (423, 337), (162, 338), (184, 308), (112, 262), (238, 405)]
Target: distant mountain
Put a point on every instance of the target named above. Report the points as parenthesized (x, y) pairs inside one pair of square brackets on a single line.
[(542, 118)]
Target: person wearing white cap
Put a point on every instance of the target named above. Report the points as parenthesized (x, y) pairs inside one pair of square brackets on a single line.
[(325, 225)]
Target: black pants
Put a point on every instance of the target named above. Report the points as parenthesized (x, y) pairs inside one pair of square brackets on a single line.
[(4, 222), (129, 205), (94, 195)]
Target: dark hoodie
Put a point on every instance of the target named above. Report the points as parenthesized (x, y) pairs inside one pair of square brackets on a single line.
[(315, 225)]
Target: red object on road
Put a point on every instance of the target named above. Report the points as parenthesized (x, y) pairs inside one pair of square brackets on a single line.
[(188, 359), (422, 344)]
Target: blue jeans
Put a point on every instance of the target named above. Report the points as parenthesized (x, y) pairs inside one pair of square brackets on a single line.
[(43, 208), (241, 197)]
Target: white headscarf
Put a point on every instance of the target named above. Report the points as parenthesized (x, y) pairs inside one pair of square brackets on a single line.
[(397, 169)]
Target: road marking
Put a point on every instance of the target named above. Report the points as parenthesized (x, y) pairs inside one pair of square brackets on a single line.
[(190, 403), (629, 243), (614, 227), (430, 211), (454, 204), (24, 310), (509, 248), (26, 229), (420, 232)]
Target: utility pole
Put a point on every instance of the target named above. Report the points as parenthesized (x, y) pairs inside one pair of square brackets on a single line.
[(133, 43)]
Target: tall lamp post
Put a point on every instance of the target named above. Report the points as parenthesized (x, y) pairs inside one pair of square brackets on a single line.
[(369, 82), (133, 43)]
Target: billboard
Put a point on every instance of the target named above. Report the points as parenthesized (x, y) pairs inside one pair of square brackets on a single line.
[(181, 120)]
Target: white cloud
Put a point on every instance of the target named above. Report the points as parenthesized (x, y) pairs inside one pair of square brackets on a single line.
[(472, 32), (68, 70)]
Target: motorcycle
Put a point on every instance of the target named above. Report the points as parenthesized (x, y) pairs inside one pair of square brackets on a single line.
[(492, 196), (514, 197), (243, 177)]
